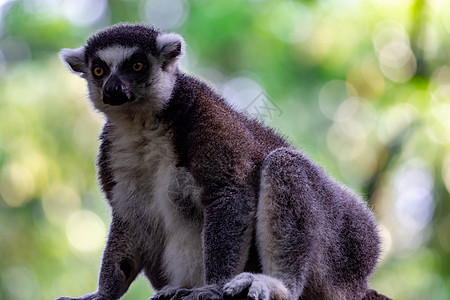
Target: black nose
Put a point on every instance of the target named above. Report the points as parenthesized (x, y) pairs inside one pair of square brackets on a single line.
[(113, 91), (116, 92), (113, 87)]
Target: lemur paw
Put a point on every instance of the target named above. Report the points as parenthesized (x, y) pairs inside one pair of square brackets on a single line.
[(246, 283), (210, 292), (92, 296), (202, 293), (166, 293), (255, 287)]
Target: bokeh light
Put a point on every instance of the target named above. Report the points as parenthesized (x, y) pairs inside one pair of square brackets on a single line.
[(166, 14), (85, 231), (386, 241), (392, 45), (84, 12), (240, 91), (59, 202), (414, 205), (291, 22), (395, 120), (17, 185), (367, 78), (20, 283), (332, 94)]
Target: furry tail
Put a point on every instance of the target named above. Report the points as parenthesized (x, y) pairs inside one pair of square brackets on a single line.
[(374, 295)]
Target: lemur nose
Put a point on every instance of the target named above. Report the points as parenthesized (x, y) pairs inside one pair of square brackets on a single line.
[(113, 87), (112, 91)]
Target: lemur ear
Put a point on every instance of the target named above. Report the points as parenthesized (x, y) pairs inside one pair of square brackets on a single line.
[(74, 59), (170, 47)]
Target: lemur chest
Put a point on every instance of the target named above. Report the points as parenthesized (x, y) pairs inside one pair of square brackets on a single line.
[(153, 191)]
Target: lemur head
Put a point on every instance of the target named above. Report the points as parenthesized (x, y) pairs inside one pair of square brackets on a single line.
[(127, 66)]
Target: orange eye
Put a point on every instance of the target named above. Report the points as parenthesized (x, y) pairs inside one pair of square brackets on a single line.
[(138, 66), (98, 71)]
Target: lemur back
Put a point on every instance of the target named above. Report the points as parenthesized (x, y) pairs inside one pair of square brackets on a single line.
[(206, 201)]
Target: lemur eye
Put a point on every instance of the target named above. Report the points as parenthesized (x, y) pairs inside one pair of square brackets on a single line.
[(98, 71), (138, 66)]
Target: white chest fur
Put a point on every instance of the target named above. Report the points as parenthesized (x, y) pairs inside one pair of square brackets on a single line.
[(143, 163)]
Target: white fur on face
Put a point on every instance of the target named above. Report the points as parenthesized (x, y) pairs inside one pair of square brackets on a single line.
[(114, 56), (152, 98), (162, 83)]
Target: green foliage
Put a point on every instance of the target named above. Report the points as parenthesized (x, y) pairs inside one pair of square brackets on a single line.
[(361, 86)]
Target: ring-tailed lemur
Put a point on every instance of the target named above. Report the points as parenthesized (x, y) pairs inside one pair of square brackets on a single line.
[(207, 202)]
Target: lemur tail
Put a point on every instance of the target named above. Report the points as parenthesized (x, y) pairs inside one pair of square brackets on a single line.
[(374, 295)]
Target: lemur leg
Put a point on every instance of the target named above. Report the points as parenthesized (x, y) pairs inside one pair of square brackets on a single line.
[(286, 229), (121, 264)]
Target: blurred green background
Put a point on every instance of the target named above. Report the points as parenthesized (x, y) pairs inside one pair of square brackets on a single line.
[(363, 87)]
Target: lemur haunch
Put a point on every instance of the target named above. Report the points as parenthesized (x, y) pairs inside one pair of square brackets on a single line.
[(207, 202)]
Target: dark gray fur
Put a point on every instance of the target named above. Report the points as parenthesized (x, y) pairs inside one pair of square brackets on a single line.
[(272, 224)]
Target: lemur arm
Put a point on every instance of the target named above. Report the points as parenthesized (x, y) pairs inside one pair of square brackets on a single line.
[(121, 261), (227, 234)]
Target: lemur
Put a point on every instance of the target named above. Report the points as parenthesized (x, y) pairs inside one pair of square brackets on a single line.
[(208, 202)]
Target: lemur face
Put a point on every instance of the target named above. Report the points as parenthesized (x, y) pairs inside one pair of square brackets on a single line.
[(119, 74), (127, 65)]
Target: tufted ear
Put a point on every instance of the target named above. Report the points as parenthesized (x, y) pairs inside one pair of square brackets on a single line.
[(170, 47), (74, 59)]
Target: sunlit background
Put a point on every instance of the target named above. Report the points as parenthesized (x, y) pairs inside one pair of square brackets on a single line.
[(363, 87)]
